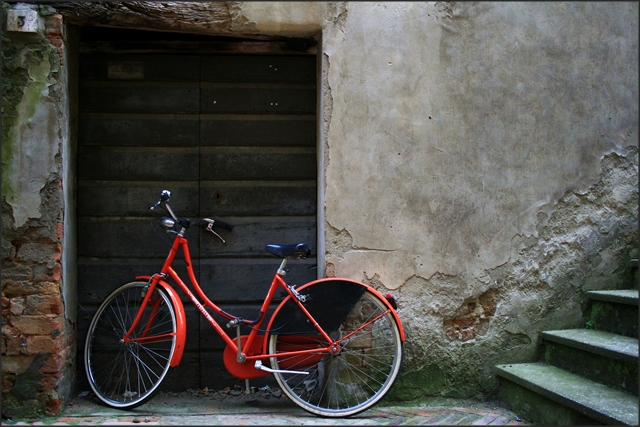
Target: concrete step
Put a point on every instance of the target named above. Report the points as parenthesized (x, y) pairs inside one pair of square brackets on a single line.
[(604, 343), (600, 356), (620, 296), (615, 311), (585, 399)]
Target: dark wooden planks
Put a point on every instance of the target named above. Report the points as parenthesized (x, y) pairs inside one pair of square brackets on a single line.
[(252, 68), (149, 67), (232, 280), (139, 97), (251, 163), (251, 198), (139, 130), (102, 197), (258, 130), (138, 164), (265, 98), (149, 122)]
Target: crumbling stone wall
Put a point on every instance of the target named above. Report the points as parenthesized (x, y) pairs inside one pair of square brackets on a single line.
[(587, 243), (38, 340)]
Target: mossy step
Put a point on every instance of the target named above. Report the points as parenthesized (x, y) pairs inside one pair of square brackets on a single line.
[(615, 311), (593, 399), (600, 342), (622, 296), (605, 357)]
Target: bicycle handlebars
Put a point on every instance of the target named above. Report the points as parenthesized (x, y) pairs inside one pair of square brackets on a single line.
[(209, 223), (165, 196)]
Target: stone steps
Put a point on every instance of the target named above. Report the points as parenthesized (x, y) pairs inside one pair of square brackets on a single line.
[(589, 400), (615, 311), (601, 356), (586, 376), (621, 296), (600, 342)]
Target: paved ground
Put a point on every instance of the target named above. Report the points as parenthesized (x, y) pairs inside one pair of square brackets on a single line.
[(269, 407)]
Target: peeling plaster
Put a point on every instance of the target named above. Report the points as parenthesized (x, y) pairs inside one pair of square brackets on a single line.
[(31, 160), (447, 148)]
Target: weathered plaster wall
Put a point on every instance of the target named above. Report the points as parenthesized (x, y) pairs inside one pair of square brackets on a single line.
[(38, 340), (481, 161), (486, 114)]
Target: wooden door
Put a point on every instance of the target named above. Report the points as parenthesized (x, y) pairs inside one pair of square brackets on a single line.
[(232, 136)]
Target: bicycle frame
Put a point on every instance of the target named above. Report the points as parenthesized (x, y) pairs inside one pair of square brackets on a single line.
[(242, 342)]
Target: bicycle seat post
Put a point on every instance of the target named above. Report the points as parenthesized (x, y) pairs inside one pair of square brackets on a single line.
[(281, 270)]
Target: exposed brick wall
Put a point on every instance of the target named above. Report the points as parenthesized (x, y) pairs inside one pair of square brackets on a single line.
[(54, 31), (472, 318), (37, 342)]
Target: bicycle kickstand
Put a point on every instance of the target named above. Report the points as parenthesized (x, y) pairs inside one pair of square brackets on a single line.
[(240, 357)]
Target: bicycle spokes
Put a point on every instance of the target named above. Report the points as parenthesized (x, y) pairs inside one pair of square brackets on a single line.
[(122, 372), (353, 378)]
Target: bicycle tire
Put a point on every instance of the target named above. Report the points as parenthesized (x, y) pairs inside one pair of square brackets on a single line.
[(126, 375), (354, 379)]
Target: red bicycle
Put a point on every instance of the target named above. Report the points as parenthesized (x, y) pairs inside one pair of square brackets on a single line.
[(334, 345)]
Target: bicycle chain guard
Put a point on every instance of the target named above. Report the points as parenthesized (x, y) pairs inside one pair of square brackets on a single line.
[(244, 370)]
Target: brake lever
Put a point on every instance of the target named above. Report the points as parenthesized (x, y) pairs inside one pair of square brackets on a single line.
[(210, 228)]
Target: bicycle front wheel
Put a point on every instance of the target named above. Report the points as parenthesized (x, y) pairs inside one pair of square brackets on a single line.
[(355, 378), (126, 374)]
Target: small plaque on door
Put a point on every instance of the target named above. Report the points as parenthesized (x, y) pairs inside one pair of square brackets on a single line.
[(128, 70)]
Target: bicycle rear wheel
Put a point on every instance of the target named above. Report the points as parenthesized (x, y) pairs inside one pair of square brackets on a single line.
[(126, 375), (354, 379)]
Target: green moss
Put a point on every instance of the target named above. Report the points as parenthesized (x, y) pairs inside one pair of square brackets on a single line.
[(415, 384), (603, 369), (589, 324), (538, 409), (26, 73), (617, 318), (14, 79), (14, 408)]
